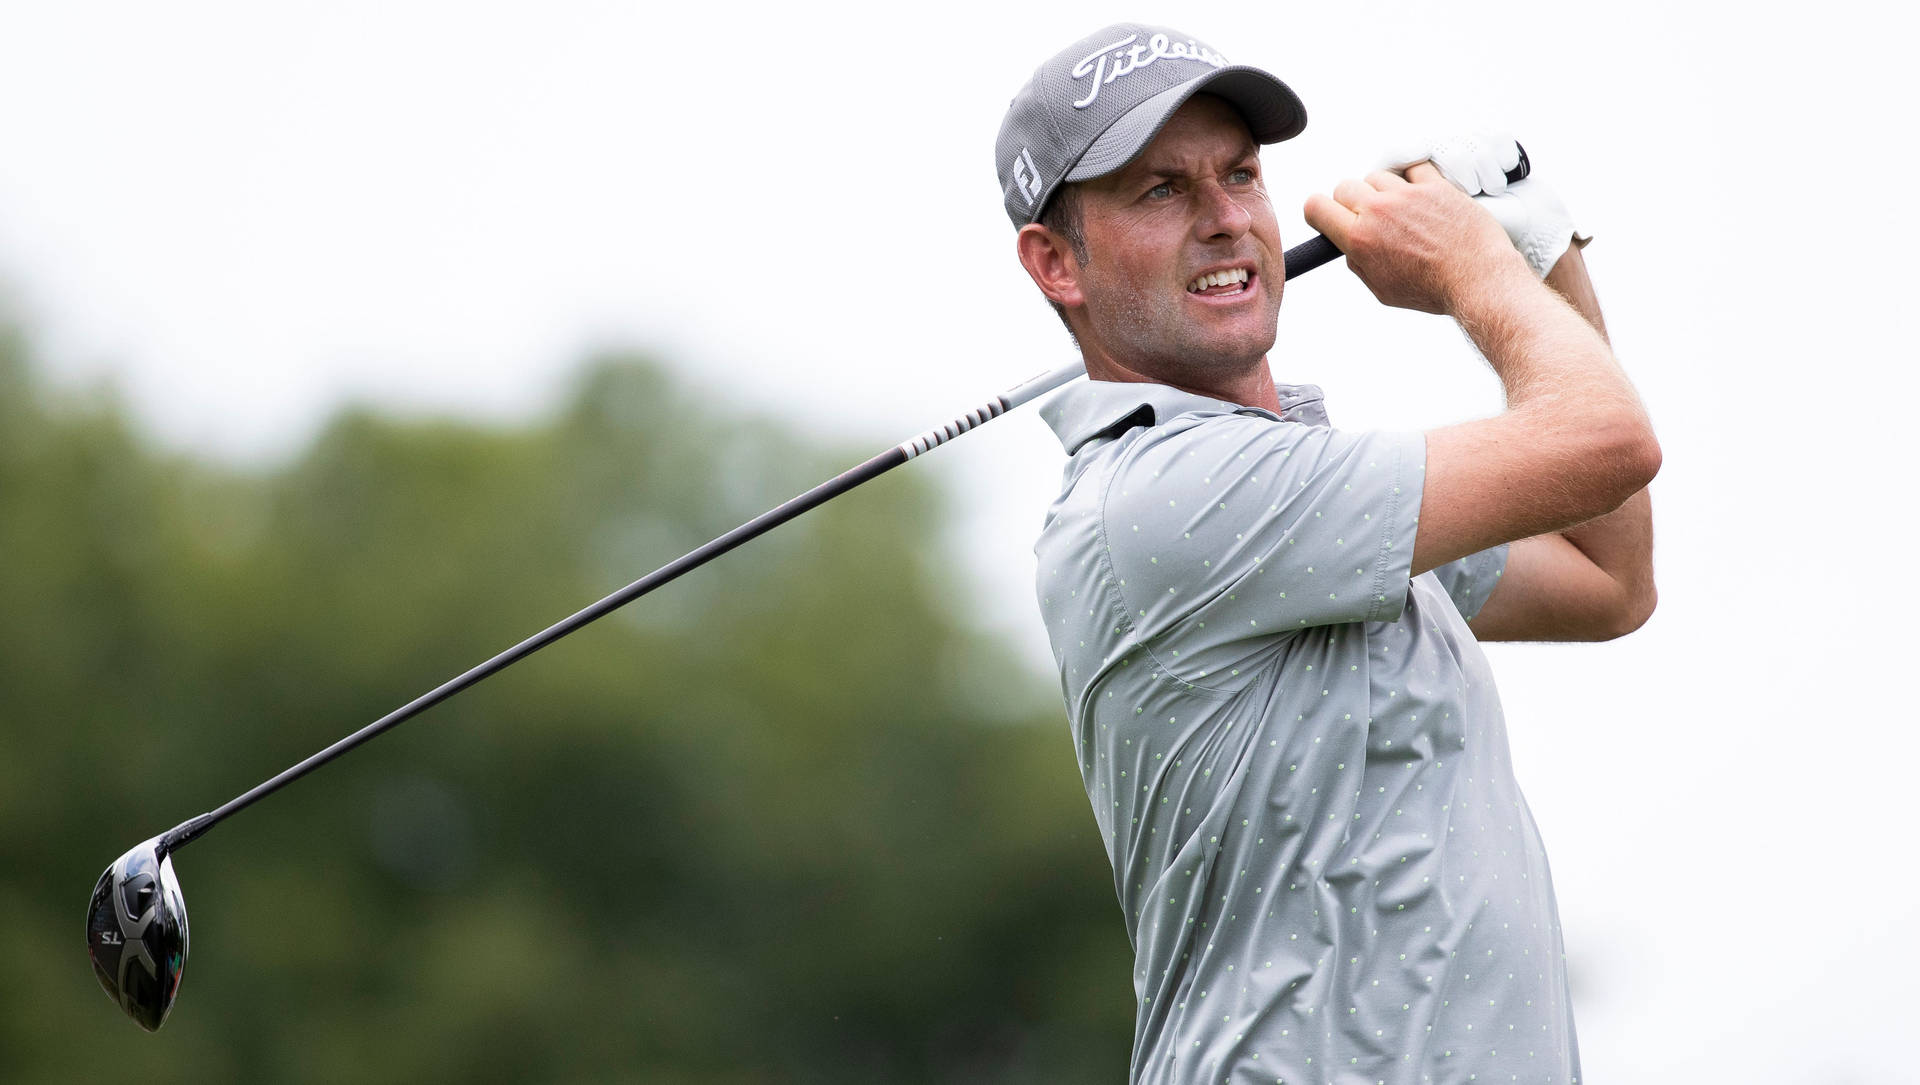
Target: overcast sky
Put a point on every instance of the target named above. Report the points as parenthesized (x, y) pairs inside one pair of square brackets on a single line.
[(241, 213)]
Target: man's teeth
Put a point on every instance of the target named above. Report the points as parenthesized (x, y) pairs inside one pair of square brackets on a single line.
[(1218, 278)]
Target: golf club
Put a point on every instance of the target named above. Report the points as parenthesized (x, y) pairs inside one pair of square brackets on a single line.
[(137, 917)]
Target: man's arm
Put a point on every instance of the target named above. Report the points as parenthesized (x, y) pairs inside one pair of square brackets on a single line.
[(1574, 443), (1593, 581)]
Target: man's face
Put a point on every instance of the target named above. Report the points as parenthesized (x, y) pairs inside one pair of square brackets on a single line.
[(1193, 204)]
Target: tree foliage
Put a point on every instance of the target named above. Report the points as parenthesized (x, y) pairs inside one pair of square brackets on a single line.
[(752, 828)]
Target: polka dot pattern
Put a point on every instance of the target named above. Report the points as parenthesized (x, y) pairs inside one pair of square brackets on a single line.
[(1295, 753)]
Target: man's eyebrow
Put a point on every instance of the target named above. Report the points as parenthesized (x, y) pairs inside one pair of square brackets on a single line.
[(1250, 149)]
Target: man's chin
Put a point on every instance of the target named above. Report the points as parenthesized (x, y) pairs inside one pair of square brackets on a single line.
[(1232, 348), (1192, 349), (1203, 364)]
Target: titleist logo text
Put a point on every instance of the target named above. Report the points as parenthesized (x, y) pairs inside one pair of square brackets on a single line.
[(1129, 55)]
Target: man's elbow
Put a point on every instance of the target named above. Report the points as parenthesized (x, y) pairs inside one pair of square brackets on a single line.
[(1643, 463), (1646, 461), (1619, 460), (1633, 614), (1632, 458)]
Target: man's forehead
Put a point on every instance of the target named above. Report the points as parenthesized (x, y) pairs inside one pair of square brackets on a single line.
[(1204, 127)]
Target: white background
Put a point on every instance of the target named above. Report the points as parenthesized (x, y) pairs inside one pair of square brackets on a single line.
[(241, 213)]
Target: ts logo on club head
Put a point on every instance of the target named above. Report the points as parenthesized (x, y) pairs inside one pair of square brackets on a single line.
[(1026, 177)]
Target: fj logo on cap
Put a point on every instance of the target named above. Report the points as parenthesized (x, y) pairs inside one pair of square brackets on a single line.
[(1025, 177), (1123, 57)]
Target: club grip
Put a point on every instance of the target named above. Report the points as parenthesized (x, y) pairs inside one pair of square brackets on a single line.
[(1317, 250), (1310, 254)]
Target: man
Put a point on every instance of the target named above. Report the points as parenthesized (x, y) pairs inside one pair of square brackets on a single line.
[(1290, 737)]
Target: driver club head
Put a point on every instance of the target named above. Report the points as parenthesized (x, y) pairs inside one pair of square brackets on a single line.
[(137, 933)]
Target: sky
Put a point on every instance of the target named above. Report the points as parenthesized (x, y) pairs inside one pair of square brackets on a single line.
[(241, 215)]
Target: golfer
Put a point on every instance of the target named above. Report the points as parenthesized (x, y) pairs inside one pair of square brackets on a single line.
[(1267, 627)]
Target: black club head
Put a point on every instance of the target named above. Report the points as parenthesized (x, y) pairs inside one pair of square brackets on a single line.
[(137, 933)]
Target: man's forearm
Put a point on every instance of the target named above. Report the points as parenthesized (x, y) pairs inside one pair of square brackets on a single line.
[(1621, 542), (1569, 279), (1568, 401)]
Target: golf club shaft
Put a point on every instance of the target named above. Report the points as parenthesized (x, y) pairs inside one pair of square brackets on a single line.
[(1299, 259), (187, 831)]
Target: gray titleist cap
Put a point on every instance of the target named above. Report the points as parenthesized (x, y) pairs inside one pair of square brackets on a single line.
[(1096, 104)]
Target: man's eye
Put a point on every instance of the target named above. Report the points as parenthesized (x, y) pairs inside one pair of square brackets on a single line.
[(1242, 176), (1160, 191)]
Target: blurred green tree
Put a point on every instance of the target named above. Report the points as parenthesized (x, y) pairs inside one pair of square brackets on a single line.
[(750, 829)]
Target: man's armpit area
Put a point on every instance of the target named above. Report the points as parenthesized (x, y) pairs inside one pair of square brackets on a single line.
[(1469, 580)]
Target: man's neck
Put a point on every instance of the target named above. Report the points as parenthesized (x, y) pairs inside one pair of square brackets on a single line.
[(1252, 388)]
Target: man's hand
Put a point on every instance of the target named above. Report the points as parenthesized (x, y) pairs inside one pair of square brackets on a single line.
[(1476, 162), (1535, 219), (1418, 242), (1537, 222)]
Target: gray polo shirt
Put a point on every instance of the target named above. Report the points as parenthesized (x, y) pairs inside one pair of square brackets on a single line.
[(1295, 753)]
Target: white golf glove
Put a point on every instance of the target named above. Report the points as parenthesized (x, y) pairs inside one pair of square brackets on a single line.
[(1535, 220), (1476, 162)]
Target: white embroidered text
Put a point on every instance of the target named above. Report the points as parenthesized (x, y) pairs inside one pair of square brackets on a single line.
[(1128, 55)]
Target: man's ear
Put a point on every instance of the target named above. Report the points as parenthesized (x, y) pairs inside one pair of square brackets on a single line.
[(1049, 261)]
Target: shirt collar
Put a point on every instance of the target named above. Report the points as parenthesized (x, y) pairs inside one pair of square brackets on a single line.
[(1092, 409)]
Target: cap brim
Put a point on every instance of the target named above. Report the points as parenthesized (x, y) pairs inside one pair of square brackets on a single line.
[(1270, 108)]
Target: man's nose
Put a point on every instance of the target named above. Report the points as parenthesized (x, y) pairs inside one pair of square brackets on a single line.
[(1221, 215)]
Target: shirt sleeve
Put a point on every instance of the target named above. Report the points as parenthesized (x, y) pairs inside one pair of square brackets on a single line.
[(1255, 528), (1469, 580)]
